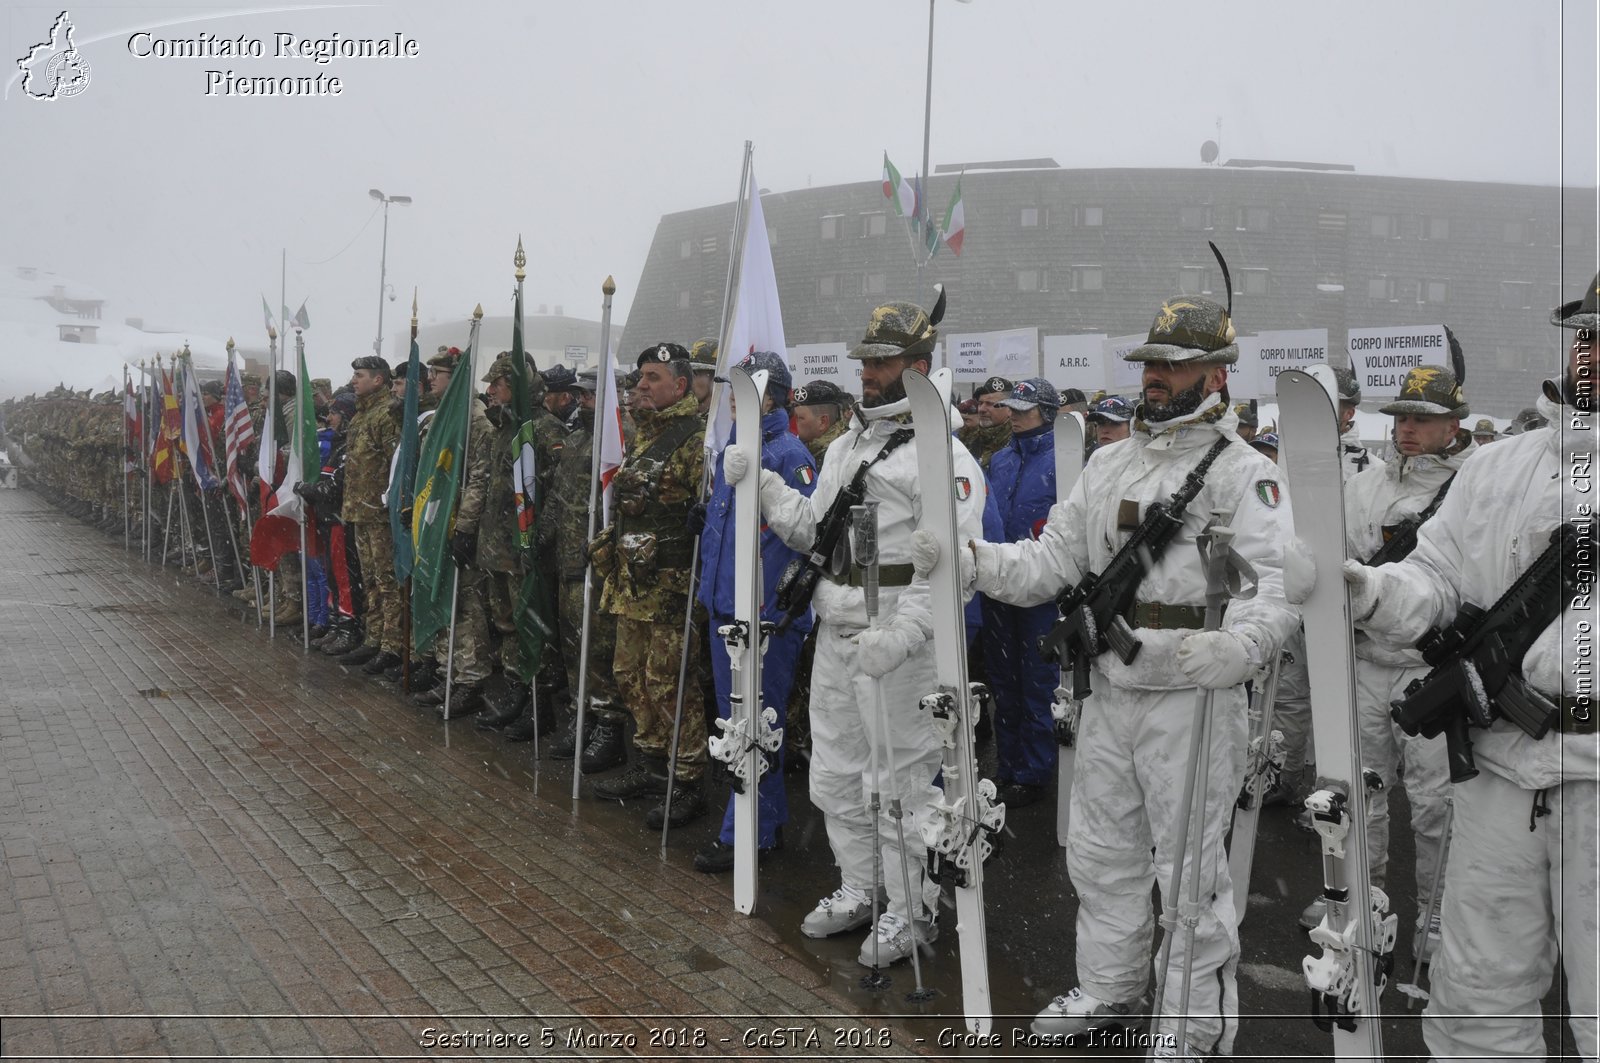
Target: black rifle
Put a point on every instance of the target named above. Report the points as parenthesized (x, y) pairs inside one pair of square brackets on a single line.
[(799, 580), (1477, 660), (1403, 539), (1092, 619)]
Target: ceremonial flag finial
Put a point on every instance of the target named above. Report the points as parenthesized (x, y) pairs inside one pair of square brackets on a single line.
[(609, 287), (520, 259), (477, 312)]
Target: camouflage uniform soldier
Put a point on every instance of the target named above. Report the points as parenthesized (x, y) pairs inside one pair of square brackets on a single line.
[(646, 555), (994, 421), (370, 440), (564, 526)]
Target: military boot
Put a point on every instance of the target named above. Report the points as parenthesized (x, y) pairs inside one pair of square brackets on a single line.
[(504, 706), (688, 805), (647, 778), (344, 639), (361, 654), (381, 663), (532, 724), (606, 748)]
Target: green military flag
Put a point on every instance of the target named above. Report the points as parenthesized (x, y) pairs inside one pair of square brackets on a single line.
[(438, 485)]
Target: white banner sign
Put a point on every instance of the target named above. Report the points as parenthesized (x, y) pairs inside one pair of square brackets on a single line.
[(1290, 349), (968, 355), (1014, 353), (1244, 376), (1381, 356), (810, 362), (1126, 377), (1076, 361)]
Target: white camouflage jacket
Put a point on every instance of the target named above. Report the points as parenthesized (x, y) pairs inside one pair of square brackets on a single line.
[(1081, 535)]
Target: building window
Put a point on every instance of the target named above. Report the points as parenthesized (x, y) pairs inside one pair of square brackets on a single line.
[(1033, 280), (830, 226), (1386, 226), (1087, 278), (685, 248), (827, 286), (873, 224), (876, 284), (772, 236), (1252, 219), (1254, 282), (1330, 282), (1195, 218), (1194, 280), (1433, 228), (1516, 295), (683, 300), (1518, 232), (1030, 217), (1429, 291), (1381, 288), (1332, 221), (1088, 217)]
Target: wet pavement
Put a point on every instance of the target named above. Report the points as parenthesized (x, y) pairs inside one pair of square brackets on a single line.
[(216, 845)]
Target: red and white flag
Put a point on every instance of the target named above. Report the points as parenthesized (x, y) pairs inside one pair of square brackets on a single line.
[(610, 421), (757, 322), (238, 433), (132, 426)]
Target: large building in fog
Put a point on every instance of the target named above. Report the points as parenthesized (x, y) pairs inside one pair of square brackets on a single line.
[(1093, 251)]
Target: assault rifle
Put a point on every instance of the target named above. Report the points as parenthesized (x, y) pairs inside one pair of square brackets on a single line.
[(1403, 539), (1477, 660), (798, 583), (1092, 612)]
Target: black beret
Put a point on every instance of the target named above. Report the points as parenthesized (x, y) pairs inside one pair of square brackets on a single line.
[(374, 363), (820, 393), (995, 385), (661, 353)]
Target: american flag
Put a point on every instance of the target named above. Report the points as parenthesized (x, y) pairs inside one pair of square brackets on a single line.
[(238, 432)]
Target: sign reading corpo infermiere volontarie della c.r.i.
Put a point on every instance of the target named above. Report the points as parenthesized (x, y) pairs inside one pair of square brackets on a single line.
[(318, 50)]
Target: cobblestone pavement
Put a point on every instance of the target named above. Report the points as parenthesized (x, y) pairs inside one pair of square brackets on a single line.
[(215, 845)]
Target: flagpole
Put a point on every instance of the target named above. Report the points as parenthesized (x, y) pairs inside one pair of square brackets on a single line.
[(305, 508), (597, 443), (730, 299), (927, 129), (269, 419), (520, 260), (466, 441), (127, 509), (405, 592), (220, 447), (195, 466), (144, 455)]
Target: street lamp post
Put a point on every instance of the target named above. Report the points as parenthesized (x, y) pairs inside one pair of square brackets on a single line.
[(383, 263), (927, 129)]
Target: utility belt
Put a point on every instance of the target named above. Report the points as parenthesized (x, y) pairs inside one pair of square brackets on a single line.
[(1157, 616), (888, 576)]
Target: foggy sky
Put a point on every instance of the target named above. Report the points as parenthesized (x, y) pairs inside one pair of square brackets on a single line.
[(578, 125)]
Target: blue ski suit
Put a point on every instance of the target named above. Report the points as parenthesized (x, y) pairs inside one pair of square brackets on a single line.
[(784, 454), (1022, 480)]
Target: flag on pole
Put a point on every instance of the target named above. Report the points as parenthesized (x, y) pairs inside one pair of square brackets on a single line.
[(955, 222), (402, 478), (438, 484), (611, 452), (238, 434), (756, 323), (168, 431), (897, 190), (196, 440), (301, 319), (278, 531), (133, 426), (532, 619), (266, 313)]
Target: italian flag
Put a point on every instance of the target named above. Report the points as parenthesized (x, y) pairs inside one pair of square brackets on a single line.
[(897, 190), (955, 222)]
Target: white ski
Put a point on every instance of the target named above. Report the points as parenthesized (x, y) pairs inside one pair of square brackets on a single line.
[(1263, 766), (749, 735), (958, 827), (1065, 708), (1357, 934)]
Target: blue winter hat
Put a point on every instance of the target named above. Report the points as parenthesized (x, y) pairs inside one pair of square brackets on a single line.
[(778, 378), (1112, 408), (1035, 391)]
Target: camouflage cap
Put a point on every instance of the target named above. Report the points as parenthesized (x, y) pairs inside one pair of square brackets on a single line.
[(1189, 329), (500, 367), (322, 383), (1580, 313), (703, 354), (446, 360), (820, 393), (1431, 390), (995, 385), (1484, 427), (250, 380), (661, 354), (1246, 415), (1349, 386), (897, 329)]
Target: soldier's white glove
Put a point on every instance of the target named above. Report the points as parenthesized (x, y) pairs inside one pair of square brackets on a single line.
[(1299, 571), (735, 463), (882, 649), (1363, 590), (1214, 659), (924, 551)]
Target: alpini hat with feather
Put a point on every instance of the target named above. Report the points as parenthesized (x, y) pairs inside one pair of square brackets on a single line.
[(901, 329), (1188, 328)]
